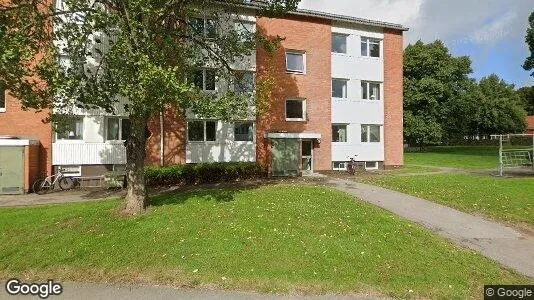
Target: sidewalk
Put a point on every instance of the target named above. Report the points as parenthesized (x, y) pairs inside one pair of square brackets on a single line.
[(493, 240), (114, 292)]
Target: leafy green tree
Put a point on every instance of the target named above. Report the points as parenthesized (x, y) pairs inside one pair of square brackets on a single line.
[(527, 98), (529, 62), (144, 51), (434, 82), (501, 109)]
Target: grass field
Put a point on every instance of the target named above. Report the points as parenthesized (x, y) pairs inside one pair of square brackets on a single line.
[(510, 199), (282, 238), (502, 199), (456, 157)]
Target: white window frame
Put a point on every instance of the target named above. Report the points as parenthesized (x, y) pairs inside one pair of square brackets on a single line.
[(73, 140), (369, 133), (368, 41), (304, 112), (346, 90), (253, 128), (346, 42), (296, 52), (368, 90), (205, 131), (3, 95), (204, 76), (339, 168), (371, 168), (121, 138), (346, 133), (205, 27)]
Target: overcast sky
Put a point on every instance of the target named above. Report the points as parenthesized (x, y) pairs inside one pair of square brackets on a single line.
[(491, 32)]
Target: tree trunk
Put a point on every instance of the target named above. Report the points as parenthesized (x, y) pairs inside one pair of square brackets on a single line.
[(136, 197)]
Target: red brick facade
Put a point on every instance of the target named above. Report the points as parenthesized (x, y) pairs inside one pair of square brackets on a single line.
[(393, 98), (174, 139), (312, 36), (28, 124)]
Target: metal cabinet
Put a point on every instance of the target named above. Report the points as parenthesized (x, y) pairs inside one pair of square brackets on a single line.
[(11, 170)]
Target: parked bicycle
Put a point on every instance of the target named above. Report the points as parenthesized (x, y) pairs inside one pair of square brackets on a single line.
[(47, 184), (352, 165)]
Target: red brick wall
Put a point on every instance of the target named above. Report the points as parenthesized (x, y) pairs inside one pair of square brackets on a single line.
[(28, 124), (31, 166), (393, 98), (314, 37), (175, 139)]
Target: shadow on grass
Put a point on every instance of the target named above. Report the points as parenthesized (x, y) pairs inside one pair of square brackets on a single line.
[(221, 192)]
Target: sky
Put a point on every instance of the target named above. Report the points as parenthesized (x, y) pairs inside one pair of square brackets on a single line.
[(491, 32)]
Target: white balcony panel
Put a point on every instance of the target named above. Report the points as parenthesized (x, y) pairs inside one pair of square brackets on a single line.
[(72, 153)]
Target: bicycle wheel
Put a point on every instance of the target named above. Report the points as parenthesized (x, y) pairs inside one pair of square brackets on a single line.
[(65, 183), (40, 186)]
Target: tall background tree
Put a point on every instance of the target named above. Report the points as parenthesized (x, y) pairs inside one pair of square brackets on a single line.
[(527, 98), (443, 105), (144, 51), (529, 62)]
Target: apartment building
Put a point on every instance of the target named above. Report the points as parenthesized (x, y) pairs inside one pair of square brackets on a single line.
[(338, 94)]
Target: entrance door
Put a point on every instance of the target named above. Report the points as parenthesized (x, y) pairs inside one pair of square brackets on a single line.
[(307, 157), (285, 157), (11, 170)]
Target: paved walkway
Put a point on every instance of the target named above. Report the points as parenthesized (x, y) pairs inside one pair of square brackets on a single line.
[(494, 240), (58, 197), (113, 292)]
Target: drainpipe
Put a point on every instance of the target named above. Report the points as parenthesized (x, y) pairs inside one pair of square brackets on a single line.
[(161, 139)]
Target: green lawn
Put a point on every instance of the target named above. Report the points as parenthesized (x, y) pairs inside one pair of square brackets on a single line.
[(473, 157), (282, 238), (503, 199)]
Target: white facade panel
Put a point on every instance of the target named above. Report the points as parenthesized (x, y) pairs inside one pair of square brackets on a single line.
[(80, 153), (353, 110)]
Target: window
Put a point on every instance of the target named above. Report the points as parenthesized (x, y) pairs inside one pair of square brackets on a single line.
[(245, 30), (339, 88), (73, 130), (339, 43), (243, 132), (371, 90), (202, 131), (204, 79), (370, 47), (296, 62), (371, 165), (118, 129), (339, 133), (203, 27), (339, 165), (295, 110), (371, 133), (245, 83), (2, 99)]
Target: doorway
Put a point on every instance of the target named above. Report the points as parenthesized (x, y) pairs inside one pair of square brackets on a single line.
[(307, 156)]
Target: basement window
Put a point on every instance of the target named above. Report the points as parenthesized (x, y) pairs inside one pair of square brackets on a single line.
[(371, 165)]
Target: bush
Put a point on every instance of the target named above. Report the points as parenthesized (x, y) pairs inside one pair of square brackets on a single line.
[(203, 173)]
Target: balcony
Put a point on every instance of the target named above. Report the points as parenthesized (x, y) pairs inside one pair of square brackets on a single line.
[(80, 153)]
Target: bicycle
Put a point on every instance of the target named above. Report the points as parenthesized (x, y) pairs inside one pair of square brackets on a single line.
[(49, 183), (351, 166)]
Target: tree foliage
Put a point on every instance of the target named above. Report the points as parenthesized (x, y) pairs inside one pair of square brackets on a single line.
[(443, 104), (73, 55), (529, 62), (527, 98)]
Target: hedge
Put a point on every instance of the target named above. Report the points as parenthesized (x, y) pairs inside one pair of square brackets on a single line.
[(203, 173)]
